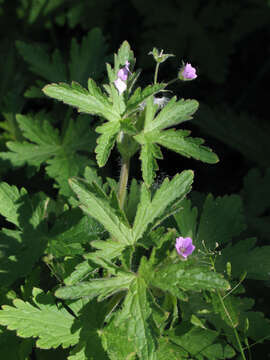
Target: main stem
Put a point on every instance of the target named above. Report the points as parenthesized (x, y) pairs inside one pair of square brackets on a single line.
[(123, 181)]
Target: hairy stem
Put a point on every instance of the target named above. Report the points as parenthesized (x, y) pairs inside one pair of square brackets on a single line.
[(123, 181), (156, 73)]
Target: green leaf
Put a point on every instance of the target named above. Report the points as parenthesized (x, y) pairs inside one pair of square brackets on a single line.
[(80, 98), (196, 341), (22, 247), (166, 347), (165, 200), (184, 276), (9, 202), (51, 324), (152, 134), (188, 147), (256, 198), (245, 257), (140, 96), (88, 58), (133, 199), (124, 54), (114, 339), (186, 219), (107, 250), (95, 203), (82, 270), (174, 113), (45, 145), (70, 232), (106, 141), (51, 69), (222, 219), (149, 153), (90, 322), (101, 288), (12, 347), (136, 313), (226, 124)]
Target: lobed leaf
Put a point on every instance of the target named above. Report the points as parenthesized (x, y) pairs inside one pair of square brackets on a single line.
[(95, 203), (106, 141), (101, 288), (78, 97), (174, 113), (180, 276), (51, 324), (222, 219), (188, 147), (151, 211), (136, 313)]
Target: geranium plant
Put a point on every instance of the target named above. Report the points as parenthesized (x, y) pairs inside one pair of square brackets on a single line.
[(139, 270)]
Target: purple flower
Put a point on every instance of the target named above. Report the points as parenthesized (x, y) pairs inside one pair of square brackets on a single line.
[(187, 72), (184, 246), (122, 76)]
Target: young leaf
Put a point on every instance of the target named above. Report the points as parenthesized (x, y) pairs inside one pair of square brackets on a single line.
[(95, 203), (106, 141), (149, 153), (51, 324), (140, 96), (151, 211)]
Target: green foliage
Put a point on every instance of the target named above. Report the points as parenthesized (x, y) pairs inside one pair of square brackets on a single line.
[(52, 324), (201, 30), (22, 246), (172, 114), (256, 197), (86, 59), (96, 275), (225, 125), (46, 145), (222, 220)]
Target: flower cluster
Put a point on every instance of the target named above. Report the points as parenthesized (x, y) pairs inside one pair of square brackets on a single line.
[(122, 76)]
